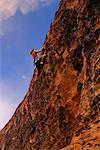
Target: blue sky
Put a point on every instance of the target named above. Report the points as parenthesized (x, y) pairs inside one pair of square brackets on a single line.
[(23, 25)]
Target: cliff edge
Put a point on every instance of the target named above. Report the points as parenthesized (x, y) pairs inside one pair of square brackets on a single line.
[(61, 108)]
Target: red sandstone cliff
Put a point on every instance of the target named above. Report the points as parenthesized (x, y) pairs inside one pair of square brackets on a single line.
[(61, 107)]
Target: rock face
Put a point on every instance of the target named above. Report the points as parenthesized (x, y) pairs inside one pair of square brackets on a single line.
[(61, 107)]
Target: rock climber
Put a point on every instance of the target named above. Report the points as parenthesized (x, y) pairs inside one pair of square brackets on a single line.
[(39, 57)]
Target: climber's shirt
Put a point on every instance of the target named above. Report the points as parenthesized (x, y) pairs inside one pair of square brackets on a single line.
[(36, 56), (39, 55)]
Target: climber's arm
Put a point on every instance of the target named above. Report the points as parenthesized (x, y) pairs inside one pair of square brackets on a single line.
[(40, 49)]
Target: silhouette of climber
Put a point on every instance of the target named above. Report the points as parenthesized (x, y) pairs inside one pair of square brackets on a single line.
[(39, 58)]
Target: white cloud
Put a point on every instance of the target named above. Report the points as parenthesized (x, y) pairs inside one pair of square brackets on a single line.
[(8, 8), (28, 5), (25, 79)]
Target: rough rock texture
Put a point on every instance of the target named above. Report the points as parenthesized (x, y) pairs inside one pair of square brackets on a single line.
[(61, 107)]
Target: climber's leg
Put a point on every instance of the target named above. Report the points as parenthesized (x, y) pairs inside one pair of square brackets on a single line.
[(39, 65)]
